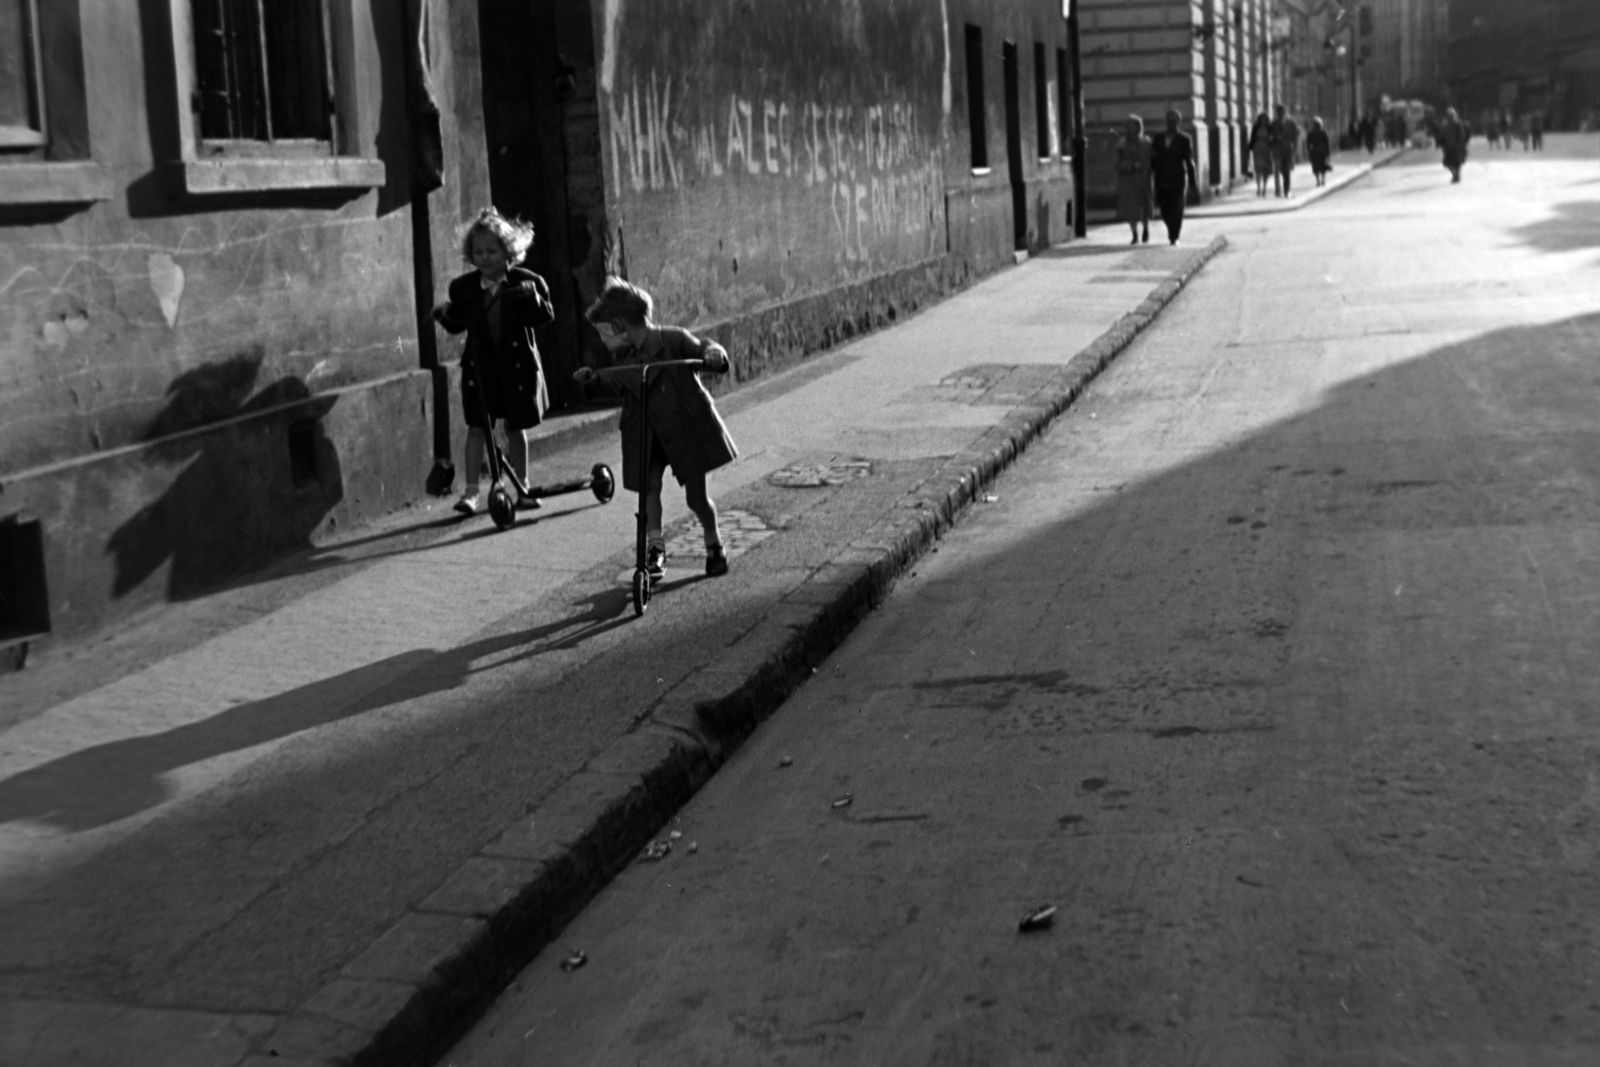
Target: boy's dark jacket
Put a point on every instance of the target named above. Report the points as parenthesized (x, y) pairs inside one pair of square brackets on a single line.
[(691, 433), (513, 380)]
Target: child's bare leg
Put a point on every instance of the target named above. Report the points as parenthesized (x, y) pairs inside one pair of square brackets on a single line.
[(473, 459), (704, 509), (517, 452), (652, 506)]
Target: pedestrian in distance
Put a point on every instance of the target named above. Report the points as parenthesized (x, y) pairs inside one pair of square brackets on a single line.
[(1285, 145), (1453, 136), (1536, 130), (499, 305), (689, 434), (1133, 179), (1172, 171), (1318, 149), (1261, 152)]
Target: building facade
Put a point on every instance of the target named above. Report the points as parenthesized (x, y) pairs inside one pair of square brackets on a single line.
[(1516, 57), (1218, 62), (1404, 58), (221, 233)]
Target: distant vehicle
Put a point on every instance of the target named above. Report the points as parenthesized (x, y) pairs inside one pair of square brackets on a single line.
[(1418, 118)]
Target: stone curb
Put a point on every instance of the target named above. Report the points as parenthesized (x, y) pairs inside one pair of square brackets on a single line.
[(418, 987), (1245, 210)]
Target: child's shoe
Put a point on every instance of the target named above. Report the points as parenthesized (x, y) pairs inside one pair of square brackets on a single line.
[(655, 562), (716, 561), (468, 504), (529, 503)]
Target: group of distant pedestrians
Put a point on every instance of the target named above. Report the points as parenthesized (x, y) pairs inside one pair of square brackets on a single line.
[(1275, 145), (1501, 129), (1159, 169)]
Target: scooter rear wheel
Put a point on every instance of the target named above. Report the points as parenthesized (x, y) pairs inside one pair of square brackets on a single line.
[(602, 483), (641, 591), (501, 508)]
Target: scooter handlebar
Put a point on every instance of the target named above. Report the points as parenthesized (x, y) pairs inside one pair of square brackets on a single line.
[(638, 369)]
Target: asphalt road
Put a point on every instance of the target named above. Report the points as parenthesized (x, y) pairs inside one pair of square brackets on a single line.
[(1273, 668)]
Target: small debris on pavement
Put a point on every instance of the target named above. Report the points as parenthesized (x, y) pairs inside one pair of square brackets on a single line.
[(1040, 918), (990, 498), (674, 835), (844, 801), (694, 846), (785, 761), (657, 850), (573, 960)]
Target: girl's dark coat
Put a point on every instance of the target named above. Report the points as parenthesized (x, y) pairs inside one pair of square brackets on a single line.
[(513, 379), (685, 421)]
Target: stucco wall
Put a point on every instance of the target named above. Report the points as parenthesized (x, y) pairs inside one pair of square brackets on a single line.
[(156, 317), (758, 152)]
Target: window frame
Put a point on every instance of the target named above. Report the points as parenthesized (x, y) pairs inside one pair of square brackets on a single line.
[(26, 138), (213, 166), (57, 171)]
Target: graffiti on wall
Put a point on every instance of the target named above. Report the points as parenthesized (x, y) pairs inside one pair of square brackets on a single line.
[(880, 179)]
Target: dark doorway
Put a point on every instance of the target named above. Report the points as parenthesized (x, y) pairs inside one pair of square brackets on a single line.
[(522, 125), (1019, 190)]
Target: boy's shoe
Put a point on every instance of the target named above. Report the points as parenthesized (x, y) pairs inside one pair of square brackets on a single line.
[(529, 503), (655, 562), (716, 562), (468, 504)]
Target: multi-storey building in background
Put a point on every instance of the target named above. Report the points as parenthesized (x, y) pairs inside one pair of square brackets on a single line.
[(1218, 62), (1525, 56), (1404, 55)]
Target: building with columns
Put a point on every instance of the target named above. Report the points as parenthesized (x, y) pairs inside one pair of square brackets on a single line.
[(1219, 62)]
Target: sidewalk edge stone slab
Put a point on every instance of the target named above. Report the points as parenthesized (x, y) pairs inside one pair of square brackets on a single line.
[(422, 983)]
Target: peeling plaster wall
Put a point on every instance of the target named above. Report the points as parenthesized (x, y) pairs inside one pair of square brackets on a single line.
[(758, 152), (155, 349)]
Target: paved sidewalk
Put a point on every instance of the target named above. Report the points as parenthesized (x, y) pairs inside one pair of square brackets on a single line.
[(320, 816), (1347, 167)]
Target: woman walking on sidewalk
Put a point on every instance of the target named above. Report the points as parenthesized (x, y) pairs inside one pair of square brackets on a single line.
[(1133, 178), (1261, 152), (1318, 149)]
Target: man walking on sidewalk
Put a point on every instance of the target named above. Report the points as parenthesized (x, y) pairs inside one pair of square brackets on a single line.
[(1172, 170), (1285, 145)]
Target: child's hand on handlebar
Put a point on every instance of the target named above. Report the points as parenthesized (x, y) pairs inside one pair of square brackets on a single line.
[(584, 375)]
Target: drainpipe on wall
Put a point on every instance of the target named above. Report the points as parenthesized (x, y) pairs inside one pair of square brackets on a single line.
[(1080, 143)]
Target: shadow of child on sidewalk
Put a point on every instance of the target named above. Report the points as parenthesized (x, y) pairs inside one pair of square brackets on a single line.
[(109, 782)]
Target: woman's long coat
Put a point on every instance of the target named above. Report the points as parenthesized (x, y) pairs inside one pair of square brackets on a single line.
[(1261, 150), (1133, 180), (686, 424), (501, 350), (1318, 147)]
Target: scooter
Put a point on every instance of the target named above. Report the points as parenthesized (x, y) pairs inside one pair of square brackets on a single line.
[(641, 574), (502, 507)]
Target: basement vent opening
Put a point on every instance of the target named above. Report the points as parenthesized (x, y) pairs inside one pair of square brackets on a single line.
[(24, 604), (303, 452)]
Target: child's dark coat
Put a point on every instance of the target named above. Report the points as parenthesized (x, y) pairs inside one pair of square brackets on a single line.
[(513, 379), (685, 421)]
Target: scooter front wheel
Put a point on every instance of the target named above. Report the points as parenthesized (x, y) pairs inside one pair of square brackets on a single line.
[(641, 591), (501, 508), (602, 483)]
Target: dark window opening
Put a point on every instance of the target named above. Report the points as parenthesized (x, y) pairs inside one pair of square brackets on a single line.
[(21, 81), (975, 109), (1063, 102), (24, 606), (303, 452), (1041, 101), (261, 67)]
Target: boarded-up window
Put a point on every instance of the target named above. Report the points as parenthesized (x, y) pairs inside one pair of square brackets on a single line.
[(261, 68), (21, 87)]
